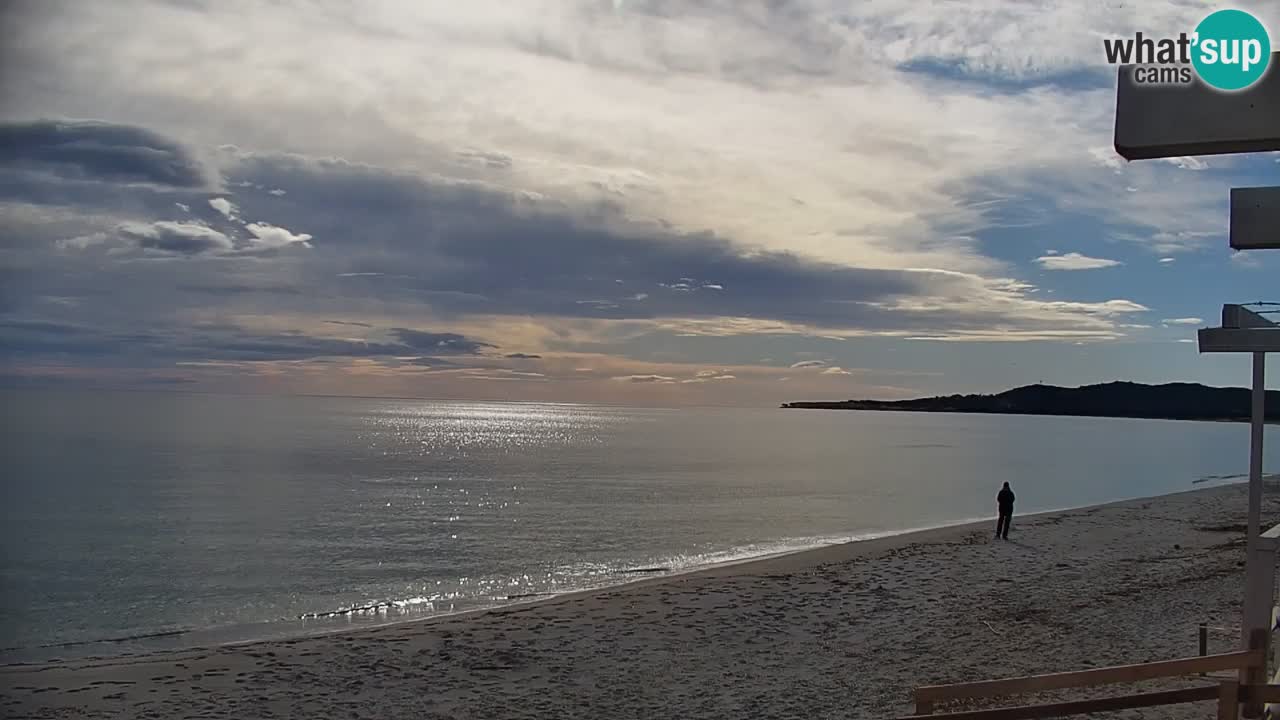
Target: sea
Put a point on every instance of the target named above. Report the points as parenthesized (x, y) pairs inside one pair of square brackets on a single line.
[(139, 521)]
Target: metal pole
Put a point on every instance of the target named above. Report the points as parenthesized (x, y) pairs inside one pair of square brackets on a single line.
[(1258, 569), (1255, 444)]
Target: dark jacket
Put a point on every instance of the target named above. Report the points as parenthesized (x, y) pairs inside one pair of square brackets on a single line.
[(1005, 499)]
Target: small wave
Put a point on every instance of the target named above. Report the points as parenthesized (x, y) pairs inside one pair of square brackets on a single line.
[(376, 607), (99, 641)]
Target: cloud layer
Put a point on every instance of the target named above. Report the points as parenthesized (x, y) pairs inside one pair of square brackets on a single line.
[(591, 185)]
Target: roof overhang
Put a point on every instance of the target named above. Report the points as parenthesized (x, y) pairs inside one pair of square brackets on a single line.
[(1242, 331), (1159, 121)]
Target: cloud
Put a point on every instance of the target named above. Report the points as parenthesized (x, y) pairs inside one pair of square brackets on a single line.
[(1074, 261), (270, 236), (906, 75), (432, 362), (226, 207), (102, 151), (522, 356), (503, 193), (705, 376), (169, 343), (439, 343), (1187, 163), (1167, 260), (836, 371), (495, 160), (660, 379), (1183, 321), (808, 364), (490, 254), (180, 238), (1180, 242)]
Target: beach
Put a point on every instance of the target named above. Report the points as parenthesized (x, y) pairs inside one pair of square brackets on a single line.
[(839, 632)]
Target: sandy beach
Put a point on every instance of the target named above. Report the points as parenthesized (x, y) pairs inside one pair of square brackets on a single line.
[(839, 632)]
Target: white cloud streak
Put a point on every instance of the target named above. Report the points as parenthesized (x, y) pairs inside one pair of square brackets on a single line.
[(1074, 261)]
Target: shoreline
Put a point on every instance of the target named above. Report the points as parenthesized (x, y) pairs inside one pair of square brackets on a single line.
[(640, 580), (871, 543), (289, 630), (845, 630)]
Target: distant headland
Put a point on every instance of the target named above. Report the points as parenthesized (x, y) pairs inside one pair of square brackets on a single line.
[(1173, 401)]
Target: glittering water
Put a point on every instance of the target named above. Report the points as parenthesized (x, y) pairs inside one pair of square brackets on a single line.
[(143, 520)]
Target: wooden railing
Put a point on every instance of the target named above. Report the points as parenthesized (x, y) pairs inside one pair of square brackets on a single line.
[(1228, 692), (1269, 543), (1271, 710), (1250, 686)]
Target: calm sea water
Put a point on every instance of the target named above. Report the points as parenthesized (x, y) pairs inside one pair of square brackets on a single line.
[(136, 521)]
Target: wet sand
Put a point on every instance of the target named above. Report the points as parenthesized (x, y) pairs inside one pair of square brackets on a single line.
[(839, 632)]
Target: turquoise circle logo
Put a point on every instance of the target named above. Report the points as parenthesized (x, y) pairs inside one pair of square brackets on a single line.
[(1232, 49)]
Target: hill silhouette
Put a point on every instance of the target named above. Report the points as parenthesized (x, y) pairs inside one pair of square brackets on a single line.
[(1172, 401)]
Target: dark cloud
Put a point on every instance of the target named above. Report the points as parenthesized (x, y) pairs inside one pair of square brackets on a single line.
[(442, 343), (32, 338), (165, 381), (289, 347), (230, 289), (91, 150), (432, 362), (37, 326), (466, 249), (523, 356), (39, 338), (396, 245)]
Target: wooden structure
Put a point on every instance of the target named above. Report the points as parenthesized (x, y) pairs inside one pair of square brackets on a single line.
[(1160, 121), (1229, 693)]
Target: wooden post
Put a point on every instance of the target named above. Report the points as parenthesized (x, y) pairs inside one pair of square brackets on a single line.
[(923, 706), (1204, 639), (1260, 559), (1256, 674), (1229, 700)]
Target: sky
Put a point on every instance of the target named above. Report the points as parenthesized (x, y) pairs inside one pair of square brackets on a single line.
[(727, 202)]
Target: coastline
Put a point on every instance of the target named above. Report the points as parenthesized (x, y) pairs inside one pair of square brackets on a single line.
[(804, 633), (822, 405), (288, 630)]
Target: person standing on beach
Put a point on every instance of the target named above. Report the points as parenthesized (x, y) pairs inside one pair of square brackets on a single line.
[(1004, 501)]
